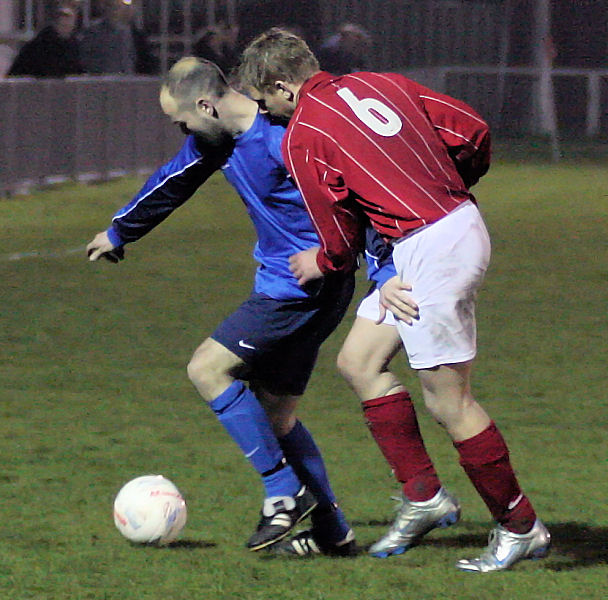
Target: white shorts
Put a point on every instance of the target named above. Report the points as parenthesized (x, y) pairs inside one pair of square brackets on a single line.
[(445, 264), (370, 309)]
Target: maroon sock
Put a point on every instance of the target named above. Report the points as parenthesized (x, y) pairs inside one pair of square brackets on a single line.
[(485, 459), (393, 424)]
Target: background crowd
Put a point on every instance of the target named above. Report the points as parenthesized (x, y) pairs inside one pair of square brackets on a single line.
[(113, 43)]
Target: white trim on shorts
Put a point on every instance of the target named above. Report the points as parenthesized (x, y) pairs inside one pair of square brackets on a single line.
[(369, 308), (445, 264)]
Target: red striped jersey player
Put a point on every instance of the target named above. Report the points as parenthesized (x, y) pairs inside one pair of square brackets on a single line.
[(382, 147)]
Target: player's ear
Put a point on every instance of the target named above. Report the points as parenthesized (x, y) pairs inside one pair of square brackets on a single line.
[(204, 105), (282, 87)]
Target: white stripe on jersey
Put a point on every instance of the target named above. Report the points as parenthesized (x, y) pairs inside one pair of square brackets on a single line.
[(387, 100), (327, 165), (335, 218), (338, 226), (297, 182), (449, 191), (341, 231), (381, 151), (419, 111), (130, 208), (347, 154), (458, 108), (459, 135)]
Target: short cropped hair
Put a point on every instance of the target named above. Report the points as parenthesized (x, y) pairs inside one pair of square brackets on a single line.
[(277, 54), (190, 76)]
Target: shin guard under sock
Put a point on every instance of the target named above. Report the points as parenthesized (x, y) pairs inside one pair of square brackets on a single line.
[(243, 417), (393, 423), (485, 459)]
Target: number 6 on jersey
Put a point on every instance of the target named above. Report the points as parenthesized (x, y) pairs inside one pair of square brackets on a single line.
[(377, 116)]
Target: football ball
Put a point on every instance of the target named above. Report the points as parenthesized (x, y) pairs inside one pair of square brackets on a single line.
[(150, 510)]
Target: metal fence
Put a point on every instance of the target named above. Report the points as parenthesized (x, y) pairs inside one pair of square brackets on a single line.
[(508, 97), (80, 128), (97, 128)]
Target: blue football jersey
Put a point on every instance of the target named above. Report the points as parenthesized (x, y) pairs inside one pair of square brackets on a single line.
[(254, 167), (283, 227)]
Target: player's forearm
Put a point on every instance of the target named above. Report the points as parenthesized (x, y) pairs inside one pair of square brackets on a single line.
[(140, 217), (341, 242), (164, 191), (338, 227)]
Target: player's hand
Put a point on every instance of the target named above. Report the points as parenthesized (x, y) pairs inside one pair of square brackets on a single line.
[(102, 247), (304, 265), (394, 297)]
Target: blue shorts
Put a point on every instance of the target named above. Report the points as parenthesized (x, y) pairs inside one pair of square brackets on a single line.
[(278, 340)]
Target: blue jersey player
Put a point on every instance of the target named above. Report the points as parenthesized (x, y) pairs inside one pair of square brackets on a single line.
[(272, 339)]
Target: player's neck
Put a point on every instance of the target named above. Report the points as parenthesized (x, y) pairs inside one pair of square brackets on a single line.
[(297, 87), (238, 112)]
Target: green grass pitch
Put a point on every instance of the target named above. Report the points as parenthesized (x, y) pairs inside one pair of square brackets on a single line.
[(93, 392)]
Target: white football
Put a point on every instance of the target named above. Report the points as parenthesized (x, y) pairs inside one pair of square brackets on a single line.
[(150, 510)]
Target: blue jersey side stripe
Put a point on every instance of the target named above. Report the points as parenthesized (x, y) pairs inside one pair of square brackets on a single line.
[(142, 196)]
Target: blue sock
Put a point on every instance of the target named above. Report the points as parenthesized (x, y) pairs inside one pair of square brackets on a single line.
[(305, 457), (243, 417)]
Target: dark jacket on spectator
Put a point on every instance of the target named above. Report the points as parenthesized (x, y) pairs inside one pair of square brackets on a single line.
[(107, 48), (48, 55)]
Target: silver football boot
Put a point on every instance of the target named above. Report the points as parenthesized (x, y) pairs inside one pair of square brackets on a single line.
[(505, 548), (414, 520)]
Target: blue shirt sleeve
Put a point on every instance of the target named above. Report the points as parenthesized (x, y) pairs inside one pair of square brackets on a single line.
[(167, 189), (379, 258)]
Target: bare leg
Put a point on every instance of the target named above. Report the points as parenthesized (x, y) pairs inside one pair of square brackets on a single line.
[(364, 358), (279, 408), (389, 412), (447, 394), (210, 369)]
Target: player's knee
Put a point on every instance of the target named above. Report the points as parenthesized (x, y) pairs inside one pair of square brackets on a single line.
[(448, 406), (196, 372), (193, 369), (203, 367), (348, 364), (362, 376), (281, 422)]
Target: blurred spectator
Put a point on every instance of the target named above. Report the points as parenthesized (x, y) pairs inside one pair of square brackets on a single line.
[(346, 50), (219, 45), (114, 44), (54, 51)]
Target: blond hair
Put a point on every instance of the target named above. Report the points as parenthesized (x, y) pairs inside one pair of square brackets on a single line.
[(277, 54)]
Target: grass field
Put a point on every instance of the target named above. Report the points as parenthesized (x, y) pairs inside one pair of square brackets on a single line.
[(93, 392)]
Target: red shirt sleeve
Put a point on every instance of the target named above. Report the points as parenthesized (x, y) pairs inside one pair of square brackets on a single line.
[(464, 132), (315, 167)]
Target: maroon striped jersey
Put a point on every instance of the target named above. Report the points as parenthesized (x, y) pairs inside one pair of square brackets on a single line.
[(385, 145)]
